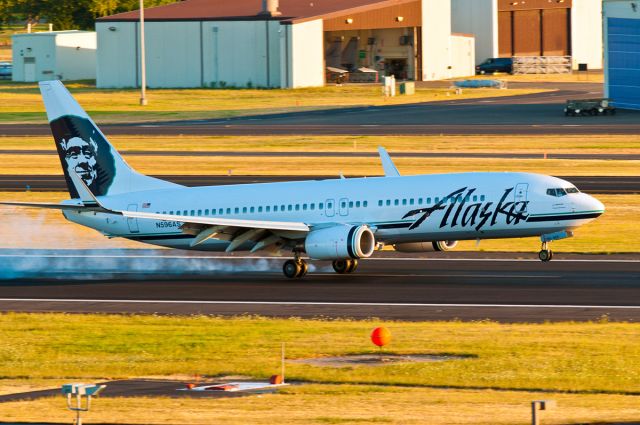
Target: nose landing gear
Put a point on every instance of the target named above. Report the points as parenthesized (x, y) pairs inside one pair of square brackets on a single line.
[(545, 255)]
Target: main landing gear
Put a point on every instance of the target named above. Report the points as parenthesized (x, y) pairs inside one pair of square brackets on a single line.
[(298, 268), (345, 266), (545, 255)]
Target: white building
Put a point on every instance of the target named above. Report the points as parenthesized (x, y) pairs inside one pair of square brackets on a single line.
[(505, 28), (622, 52), (63, 55), (290, 43)]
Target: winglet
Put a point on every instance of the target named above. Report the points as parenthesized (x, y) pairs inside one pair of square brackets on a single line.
[(388, 166)]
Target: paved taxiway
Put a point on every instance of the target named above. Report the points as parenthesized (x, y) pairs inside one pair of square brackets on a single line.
[(19, 183), (540, 113), (464, 286)]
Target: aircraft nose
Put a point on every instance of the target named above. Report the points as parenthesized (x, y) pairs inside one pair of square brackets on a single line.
[(594, 205)]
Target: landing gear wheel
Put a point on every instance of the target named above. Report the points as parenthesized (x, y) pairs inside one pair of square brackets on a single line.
[(304, 268), (352, 266), (291, 269), (345, 266), (545, 255)]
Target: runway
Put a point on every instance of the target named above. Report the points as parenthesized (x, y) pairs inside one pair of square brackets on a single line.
[(540, 113), (472, 286), (19, 183)]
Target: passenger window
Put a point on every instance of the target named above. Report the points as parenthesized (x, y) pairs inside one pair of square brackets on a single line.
[(396, 202), (404, 202), (237, 210), (228, 210), (259, 209), (297, 207), (268, 208), (244, 210), (290, 207), (343, 204), (313, 207), (357, 204), (185, 212), (170, 212), (388, 202), (380, 203), (482, 198), (351, 204), (252, 209), (282, 207), (330, 205), (428, 201), (365, 203), (213, 212), (193, 212), (321, 205), (199, 212), (304, 207), (437, 200), (221, 211), (411, 201), (475, 198)]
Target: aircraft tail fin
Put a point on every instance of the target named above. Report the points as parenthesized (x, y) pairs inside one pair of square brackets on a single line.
[(84, 151)]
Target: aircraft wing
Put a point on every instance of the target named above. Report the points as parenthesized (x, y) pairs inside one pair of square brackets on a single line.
[(226, 222)]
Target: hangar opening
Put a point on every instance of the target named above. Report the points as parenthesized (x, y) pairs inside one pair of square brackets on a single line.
[(534, 28), (386, 40)]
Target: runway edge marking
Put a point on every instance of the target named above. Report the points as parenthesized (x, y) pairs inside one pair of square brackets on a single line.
[(346, 304)]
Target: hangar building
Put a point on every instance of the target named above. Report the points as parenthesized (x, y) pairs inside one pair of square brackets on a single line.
[(505, 28), (622, 52), (62, 55), (286, 43)]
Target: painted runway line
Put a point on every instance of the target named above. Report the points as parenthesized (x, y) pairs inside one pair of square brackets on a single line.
[(315, 303)]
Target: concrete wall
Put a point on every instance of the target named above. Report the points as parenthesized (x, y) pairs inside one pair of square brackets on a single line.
[(191, 54), (463, 59), (586, 33), (117, 65), (76, 56), (436, 39), (302, 55), (65, 55), (478, 17)]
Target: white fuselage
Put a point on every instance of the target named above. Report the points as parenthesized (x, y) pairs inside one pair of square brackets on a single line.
[(398, 209)]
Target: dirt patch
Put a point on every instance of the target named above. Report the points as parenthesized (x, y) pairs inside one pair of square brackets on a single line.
[(377, 359)]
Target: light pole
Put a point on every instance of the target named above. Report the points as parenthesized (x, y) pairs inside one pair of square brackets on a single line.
[(143, 70)]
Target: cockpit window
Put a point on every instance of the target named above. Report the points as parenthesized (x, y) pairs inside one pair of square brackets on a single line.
[(558, 192), (572, 190)]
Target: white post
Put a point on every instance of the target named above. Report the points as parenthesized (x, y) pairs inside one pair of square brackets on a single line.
[(143, 71), (50, 27), (29, 27), (283, 358)]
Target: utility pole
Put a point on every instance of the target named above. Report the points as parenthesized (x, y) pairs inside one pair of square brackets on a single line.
[(143, 70)]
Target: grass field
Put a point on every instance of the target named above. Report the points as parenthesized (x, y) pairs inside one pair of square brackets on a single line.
[(284, 165), (42, 229), (615, 144), (22, 102), (507, 365)]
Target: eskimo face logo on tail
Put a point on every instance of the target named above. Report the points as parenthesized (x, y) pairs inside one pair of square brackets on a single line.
[(461, 211), (83, 150), (81, 158)]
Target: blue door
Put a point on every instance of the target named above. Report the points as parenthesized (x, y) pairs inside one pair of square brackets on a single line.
[(623, 47)]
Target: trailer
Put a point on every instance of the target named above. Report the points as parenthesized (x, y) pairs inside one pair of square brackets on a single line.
[(586, 107)]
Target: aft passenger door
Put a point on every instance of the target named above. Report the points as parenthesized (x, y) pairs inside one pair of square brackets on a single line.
[(133, 222)]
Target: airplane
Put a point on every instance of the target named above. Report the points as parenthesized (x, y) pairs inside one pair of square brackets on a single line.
[(341, 220)]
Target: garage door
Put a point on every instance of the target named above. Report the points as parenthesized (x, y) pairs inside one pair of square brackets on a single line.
[(624, 62)]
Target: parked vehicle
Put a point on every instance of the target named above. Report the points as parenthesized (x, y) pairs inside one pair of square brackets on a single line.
[(6, 70), (493, 65), (589, 107)]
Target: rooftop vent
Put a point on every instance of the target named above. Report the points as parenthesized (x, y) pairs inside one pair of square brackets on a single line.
[(270, 8)]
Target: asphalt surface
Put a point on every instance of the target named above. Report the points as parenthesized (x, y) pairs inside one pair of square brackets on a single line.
[(540, 113), (470, 286), (307, 154), (140, 388), (20, 183)]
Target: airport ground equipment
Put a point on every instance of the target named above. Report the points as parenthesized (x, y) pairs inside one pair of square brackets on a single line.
[(540, 405), (591, 107), (80, 391)]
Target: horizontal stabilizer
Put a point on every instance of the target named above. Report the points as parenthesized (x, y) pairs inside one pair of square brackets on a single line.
[(45, 205)]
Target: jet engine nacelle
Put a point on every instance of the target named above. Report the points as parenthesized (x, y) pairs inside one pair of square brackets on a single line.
[(425, 246), (340, 242)]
